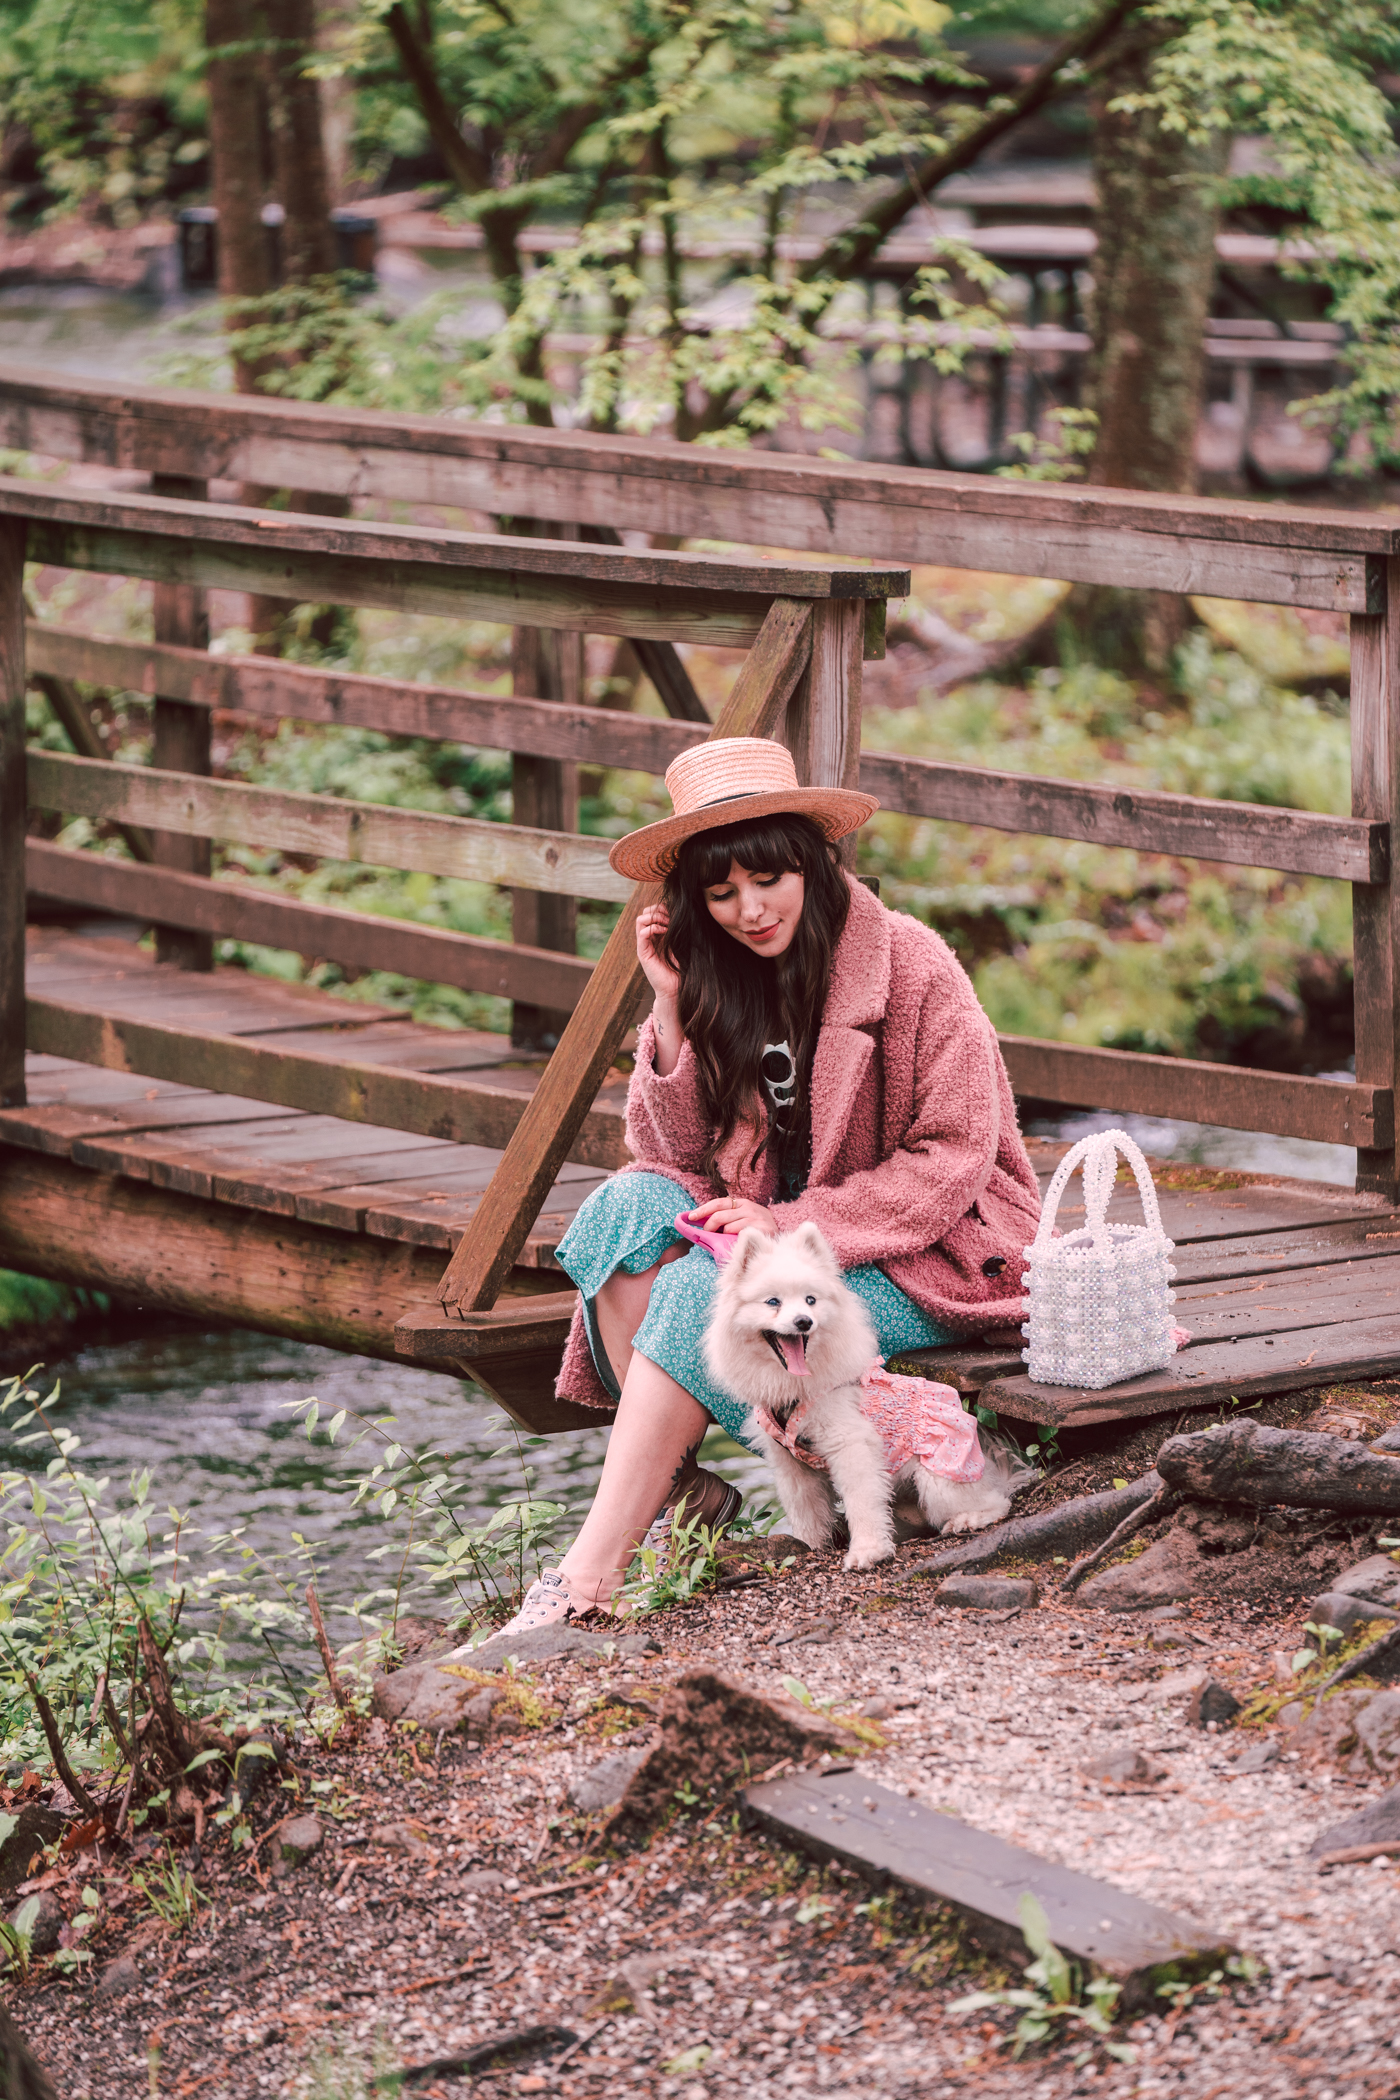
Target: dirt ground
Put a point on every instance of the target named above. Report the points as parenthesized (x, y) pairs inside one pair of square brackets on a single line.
[(459, 1898)]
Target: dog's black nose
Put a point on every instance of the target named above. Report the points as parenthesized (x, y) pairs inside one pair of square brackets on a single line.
[(803, 1324)]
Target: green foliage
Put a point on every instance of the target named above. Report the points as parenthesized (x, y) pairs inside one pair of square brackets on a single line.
[(79, 1575), (1054, 1996), (1306, 75), (1096, 945), (111, 95), (486, 1566), (168, 1888)]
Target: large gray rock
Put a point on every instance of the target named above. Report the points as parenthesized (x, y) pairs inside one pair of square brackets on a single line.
[(1213, 1705), (437, 1698), (119, 1977), (1375, 1824), (299, 1839), (545, 1643), (603, 1784), (987, 1593), (45, 1924), (1347, 1615), (35, 1828), (1206, 1552), (1377, 1577)]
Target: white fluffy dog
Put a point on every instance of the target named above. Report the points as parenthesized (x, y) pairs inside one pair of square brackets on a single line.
[(788, 1337)]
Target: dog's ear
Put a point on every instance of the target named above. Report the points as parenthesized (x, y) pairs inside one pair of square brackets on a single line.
[(750, 1245), (809, 1240)]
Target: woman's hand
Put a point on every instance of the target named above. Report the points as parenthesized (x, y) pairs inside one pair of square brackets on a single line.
[(652, 925), (732, 1214)]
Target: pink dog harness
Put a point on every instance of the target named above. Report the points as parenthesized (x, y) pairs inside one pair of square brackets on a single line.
[(918, 1420)]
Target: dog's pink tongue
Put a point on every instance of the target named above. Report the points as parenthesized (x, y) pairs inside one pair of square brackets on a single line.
[(794, 1350)]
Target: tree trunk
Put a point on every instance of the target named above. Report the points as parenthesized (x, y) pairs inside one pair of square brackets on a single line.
[(1250, 1462), (236, 147), (1158, 214), (299, 155)]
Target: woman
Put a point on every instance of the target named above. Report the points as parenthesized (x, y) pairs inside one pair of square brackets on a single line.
[(809, 1055)]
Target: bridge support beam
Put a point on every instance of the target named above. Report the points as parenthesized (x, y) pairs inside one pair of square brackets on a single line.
[(211, 1261)]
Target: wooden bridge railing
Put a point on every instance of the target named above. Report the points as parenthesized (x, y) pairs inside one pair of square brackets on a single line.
[(1272, 554), (807, 610)]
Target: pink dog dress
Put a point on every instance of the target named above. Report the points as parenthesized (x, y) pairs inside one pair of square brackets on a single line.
[(918, 1420)]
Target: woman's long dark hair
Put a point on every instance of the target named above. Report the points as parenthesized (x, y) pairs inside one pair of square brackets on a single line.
[(732, 1001)]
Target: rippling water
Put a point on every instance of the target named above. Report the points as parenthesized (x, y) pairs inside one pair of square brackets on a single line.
[(209, 1413)]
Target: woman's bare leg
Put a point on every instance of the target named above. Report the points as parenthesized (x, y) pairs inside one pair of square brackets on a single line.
[(651, 1451), (620, 1308)]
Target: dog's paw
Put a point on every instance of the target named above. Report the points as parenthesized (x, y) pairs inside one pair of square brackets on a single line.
[(973, 1520), (868, 1554)]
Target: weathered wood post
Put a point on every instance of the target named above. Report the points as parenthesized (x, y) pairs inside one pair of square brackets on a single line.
[(822, 730), (1375, 792), (13, 806), (544, 665), (182, 734)]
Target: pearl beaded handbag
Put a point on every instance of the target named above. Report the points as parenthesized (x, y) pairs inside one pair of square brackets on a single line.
[(1099, 1299)]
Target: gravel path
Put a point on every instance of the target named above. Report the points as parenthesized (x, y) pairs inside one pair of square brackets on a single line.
[(419, 1929)]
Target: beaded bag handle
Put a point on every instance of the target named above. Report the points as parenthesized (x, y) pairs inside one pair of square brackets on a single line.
[(1098, 1156)]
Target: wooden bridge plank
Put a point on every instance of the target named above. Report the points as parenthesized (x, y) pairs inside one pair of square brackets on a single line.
[(765, 684), (265, 686), (1277, 1253), (1190, 1216), (12, 814), (1245, 834), (1351, 849), (211, 1261), (363, 941), (359, 832), (1327, 1111), (1274, 554), (1212, 1373), (461, 1110), (280, 533)]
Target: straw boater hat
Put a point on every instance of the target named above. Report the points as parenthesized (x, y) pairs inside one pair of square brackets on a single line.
[(732, 780)]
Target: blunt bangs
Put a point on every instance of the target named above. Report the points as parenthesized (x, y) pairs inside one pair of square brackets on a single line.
[(781, 845)]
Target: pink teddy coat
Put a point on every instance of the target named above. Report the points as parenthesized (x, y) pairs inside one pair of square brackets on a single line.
[(917, 1161)]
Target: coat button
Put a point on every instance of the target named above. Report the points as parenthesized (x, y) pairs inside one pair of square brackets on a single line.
[(994, 1264)]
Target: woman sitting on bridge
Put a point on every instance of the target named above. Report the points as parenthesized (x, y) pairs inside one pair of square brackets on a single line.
[(812, 1055)]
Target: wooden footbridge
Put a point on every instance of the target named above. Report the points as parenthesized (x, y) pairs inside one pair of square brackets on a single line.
[(231, 1147)]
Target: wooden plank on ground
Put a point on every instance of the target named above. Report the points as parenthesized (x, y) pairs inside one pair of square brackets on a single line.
[(765, 684), (465, 1111), (1327, 1111), (357, 832), (1214, 1372), (850, 1817), (1352, 849), (1273, 553), (361, 940)]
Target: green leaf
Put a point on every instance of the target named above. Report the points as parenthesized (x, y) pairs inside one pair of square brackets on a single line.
[(336, 1424), (205, 1757)]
